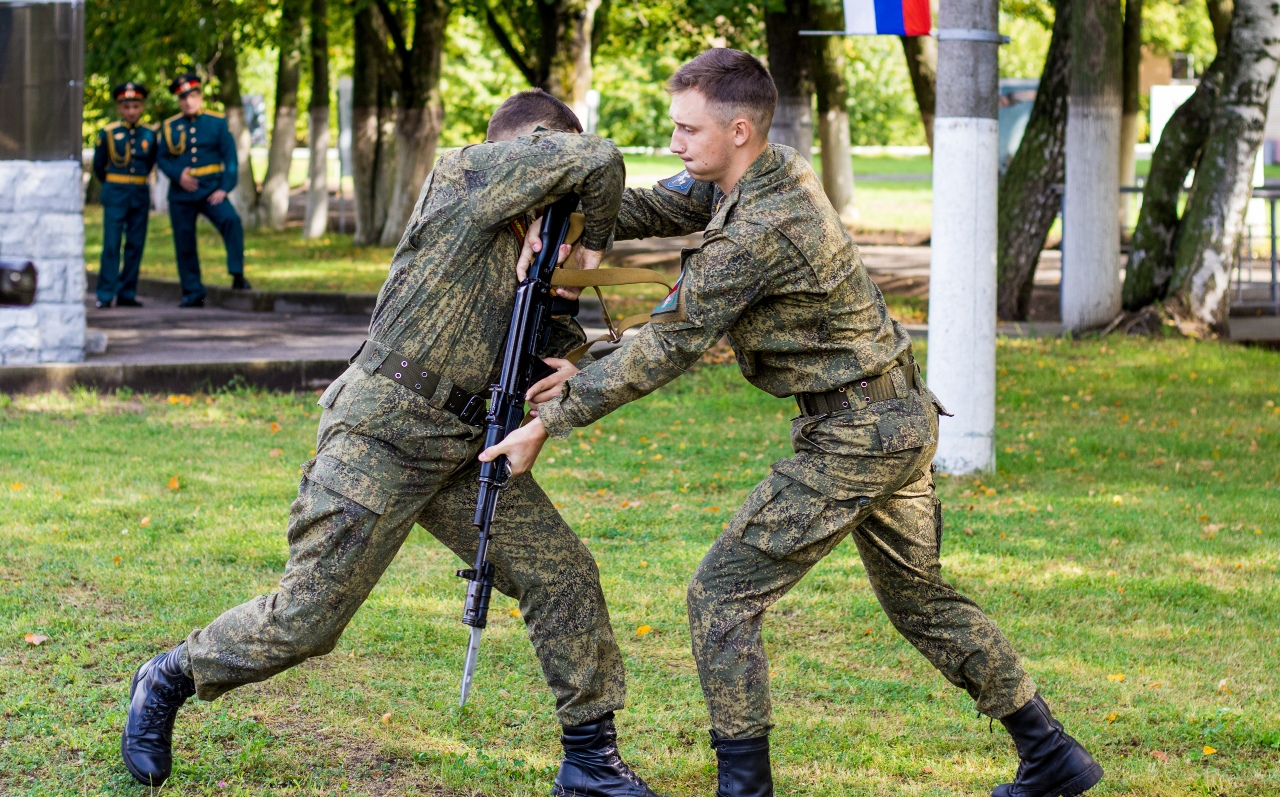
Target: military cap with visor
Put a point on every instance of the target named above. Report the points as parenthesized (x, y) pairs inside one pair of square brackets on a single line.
[(129, 91), (184, 84)]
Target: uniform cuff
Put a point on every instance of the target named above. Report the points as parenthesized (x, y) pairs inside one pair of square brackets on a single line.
[(598, 243), (553, 419)]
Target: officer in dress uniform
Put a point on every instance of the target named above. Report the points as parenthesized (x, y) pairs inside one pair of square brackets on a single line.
[(198, 154), (122, 160)]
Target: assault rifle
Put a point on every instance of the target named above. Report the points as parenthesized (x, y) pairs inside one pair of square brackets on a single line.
[(521, 368)]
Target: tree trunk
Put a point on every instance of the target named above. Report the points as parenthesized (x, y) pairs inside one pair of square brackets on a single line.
[(317, 219), (1220, 12), (1151, 252), (421, 114), (1029, 199), (922, 65), (372, 153), (573, 57), (1214, 215), (284, 129), (1131, 106), (792, 73), (833, 115), (244, 197), (1091, 230)]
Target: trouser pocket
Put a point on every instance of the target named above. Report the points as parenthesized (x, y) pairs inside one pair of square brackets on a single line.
[(785, 518)]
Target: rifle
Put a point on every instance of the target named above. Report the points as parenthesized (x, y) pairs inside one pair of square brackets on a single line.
[(521, 367)]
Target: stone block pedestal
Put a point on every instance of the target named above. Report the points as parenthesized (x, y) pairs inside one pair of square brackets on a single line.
[(42, 220)]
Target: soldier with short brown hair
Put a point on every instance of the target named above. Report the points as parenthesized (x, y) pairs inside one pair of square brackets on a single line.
[(779, 275), (397, 445)]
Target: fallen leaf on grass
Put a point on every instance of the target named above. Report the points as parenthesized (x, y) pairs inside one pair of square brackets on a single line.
[(275, 452), (173, 484), (386, 718), (1112, 716), (35, 639), (1160, 756), (146, 521), (514, 612), (1116, 677), (642, 630), (1209, 750), (16, 486), (275, 427)]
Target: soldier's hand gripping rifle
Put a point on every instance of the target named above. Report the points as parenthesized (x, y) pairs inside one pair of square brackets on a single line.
[(521, 368)]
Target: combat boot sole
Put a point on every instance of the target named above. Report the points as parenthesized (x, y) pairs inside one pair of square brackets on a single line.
[(1073, 788)]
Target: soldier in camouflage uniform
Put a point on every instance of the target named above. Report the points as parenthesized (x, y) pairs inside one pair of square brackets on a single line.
[(397, 444), (778, 274)]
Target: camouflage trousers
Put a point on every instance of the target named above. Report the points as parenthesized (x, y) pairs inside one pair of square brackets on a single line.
[(865, 474), (386, 459)]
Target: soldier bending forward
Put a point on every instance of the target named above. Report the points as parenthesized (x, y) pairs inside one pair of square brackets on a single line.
[(779, 275), (395, 452)]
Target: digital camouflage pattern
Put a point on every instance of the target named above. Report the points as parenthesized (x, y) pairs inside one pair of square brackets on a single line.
[(388, 458), (849, 477), (778, 274), (451, 275)]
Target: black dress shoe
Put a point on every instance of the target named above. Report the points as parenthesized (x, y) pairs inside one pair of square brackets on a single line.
[(592, 766), (743, 767), (192, 302), (123, 302), (158, 690), (1051, 763), (101, 305), (239, 283)]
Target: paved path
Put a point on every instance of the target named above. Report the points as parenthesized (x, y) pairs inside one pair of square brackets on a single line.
[(159, 332)]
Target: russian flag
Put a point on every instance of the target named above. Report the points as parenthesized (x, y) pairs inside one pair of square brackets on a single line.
[(887, 17)]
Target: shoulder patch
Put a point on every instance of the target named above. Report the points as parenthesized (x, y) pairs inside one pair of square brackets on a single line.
[(173, 118), (681, 184), (672, 307), (112, 126), (218, 114)]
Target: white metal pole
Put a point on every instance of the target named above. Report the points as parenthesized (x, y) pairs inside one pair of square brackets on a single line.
[(962, 274)]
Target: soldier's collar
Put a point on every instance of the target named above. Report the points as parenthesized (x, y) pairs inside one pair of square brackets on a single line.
[(767, 160)]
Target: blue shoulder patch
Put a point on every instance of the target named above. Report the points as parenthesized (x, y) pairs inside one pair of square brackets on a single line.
[(681, 184), (670, 308)]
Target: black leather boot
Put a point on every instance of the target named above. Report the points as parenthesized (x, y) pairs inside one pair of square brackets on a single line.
[(1051, 763), (158, 690), (592, 766), (239, 283), (744, 766)]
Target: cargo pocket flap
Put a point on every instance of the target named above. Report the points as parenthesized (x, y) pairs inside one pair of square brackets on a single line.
[(901, 431), (797, 517), (808, 475), (349, 482)]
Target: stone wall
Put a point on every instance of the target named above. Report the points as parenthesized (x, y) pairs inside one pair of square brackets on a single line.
[(42, 220)]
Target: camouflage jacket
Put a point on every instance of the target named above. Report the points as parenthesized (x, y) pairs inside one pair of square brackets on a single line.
[(776, 272), (448, 298)]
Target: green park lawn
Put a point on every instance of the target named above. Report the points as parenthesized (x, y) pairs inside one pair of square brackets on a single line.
[(1129, 544)]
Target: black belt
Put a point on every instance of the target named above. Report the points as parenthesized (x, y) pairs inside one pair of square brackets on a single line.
[(469, 407), (857, 394)]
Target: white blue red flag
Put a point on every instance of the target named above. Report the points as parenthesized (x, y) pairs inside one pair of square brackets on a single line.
[(887, 17)]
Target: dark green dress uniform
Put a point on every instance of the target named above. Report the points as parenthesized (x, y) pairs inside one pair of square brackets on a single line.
[(122, 160), (778, 274), (204, 145), (389, 455)]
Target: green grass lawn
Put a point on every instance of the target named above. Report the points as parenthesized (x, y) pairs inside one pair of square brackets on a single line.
[(1129, 545)]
